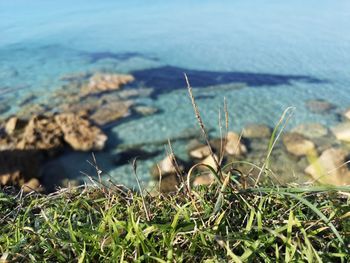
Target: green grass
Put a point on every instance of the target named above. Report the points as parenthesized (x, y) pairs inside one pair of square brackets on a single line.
[(226, 222), (208, 224)]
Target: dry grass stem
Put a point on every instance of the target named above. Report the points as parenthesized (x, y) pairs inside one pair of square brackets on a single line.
[(201, 125)]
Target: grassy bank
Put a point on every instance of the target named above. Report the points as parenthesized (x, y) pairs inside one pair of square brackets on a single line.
[(205, 224), (233, 220)]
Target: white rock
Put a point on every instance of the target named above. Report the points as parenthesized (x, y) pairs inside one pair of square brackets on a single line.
[(329, 168), (14, 124), (234, 146), (319, 106), (201, 152), (10, 126), (166, 165), (347, 114), (311, 130), (342, 131), (206, 179), (256, 131), (145, 110), (298, 145), (210, 161), (32, 185)]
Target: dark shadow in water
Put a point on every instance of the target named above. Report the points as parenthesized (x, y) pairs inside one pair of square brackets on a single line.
[(204, 97), (46, 165), (57, 50), (10, 90), (25, 161), (166, 78), (19, 166), (97, 56), (127, 156)]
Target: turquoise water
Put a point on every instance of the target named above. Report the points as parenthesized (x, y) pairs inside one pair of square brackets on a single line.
[(286, 53)]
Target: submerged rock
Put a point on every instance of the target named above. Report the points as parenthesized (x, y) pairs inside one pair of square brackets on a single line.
[(41, 133), (206, 179), (329, 168), (52, 132), (166, 166), (30, 110), (323, 143), (32, 185), (145, 110), (27, 144), (319, 106), (253, 131), (87, 105), (79, 133), (65, 94), (347, 114), (14, 125), (210, 161), (77, 76), (298, 145), (342, 131), (18, 167), (200, 152), (92, 97), (169, 183), (101, 82), (4, 108), (9, 178), (111, 112), (169, 179), (234, 145), (27, 99), (311, 130), (7, 143), (131, 93), (128, 155), (67, 183), (8, 72)]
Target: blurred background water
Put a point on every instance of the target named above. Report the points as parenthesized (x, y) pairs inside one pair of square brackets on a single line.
[(285, 53)]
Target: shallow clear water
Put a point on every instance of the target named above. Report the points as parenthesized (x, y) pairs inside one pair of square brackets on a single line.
[(292, 51)]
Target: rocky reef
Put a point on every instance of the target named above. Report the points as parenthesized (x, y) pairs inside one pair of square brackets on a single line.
[(26, 144), (74, 118), (71, 119), (99, 82)]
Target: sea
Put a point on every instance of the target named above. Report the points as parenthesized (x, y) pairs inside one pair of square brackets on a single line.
[(260, 56)]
